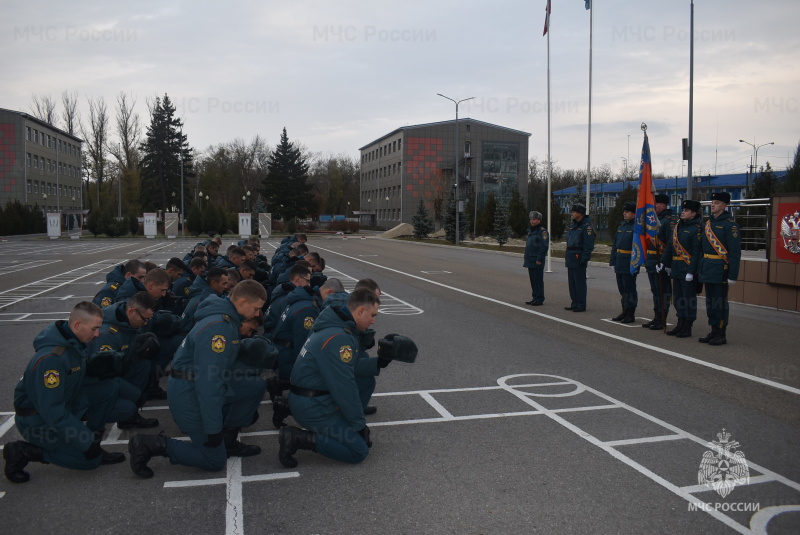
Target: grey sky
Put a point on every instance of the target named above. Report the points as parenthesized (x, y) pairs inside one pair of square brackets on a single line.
[(339, 74)]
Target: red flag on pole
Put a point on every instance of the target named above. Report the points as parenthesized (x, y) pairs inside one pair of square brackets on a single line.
[(547, 18)]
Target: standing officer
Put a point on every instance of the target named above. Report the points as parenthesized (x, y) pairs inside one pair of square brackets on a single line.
[(580, 244), (49, 401), (719, 266), (536, 247), (200, 400), (621, 264), (680, 261), (659, 281)]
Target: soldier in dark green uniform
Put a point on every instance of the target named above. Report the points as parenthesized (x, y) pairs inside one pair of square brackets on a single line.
[(200, 399), (620, 262), (659, 281), (680, 260), (536, 246), (719, 265), (49, 401), (116, 278), (580, 244)]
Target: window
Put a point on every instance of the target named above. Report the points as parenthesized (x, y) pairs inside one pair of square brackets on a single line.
[(35, 162), (36, 186), (28, 133), (48, 188), (46, 141), (467, 127), (467, 149), (29, 186), (28, 159)]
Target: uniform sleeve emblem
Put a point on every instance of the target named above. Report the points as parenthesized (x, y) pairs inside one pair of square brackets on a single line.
[(115, 286), (52, 379), (308, 322), (104, 302), (106, 347), (218, 343), (113, 330), (186, 290), (346, 354)]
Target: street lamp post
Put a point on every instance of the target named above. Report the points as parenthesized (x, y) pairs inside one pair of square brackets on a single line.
[(248, 200), (455, 186), (200, 194), (183, 217), (754, 164)]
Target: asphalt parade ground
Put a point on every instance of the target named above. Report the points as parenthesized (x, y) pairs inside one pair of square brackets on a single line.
[(513, 419)]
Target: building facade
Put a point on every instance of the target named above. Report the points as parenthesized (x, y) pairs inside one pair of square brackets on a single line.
[(418, 162), (41, 164)]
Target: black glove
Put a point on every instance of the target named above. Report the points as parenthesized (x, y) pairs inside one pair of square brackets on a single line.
[(383, 362), (366, 339), (105, 364), (94, 451), (258, 352), (583, 264), (165, 323), (147, 347), (214, 440), (365, 435), (397, 347)]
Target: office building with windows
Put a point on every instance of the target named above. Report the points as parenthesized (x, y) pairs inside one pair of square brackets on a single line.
[(418, 162), (40, 165)]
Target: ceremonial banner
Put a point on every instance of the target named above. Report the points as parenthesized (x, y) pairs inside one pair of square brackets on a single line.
[(646, 224)]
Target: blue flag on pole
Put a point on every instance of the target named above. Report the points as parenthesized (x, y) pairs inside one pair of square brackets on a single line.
[(645, 228), (588, 4)]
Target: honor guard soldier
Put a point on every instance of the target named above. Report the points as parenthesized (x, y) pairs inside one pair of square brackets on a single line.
[(324, 397), (580, 244), (50, 401), (621, 264), (719, 265), (536, 246), (200, 399), (659, 281), (680, 260)]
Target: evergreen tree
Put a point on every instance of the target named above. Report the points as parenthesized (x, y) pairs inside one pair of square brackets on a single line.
[(161, 161), (286, 181), (194, 222), (791, 184), (423, 224), (615, 214), (501, 231), (517, 215), (486, 216)]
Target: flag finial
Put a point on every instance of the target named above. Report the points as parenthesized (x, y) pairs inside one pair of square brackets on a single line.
[(644, 127)]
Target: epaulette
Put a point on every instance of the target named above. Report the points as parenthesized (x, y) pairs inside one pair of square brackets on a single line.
[(113, 329), (115, 286)]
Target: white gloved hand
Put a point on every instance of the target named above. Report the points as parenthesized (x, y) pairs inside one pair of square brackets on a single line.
[(659, 267), (611, 266), (731, 282), (669, 271), (689, 277)]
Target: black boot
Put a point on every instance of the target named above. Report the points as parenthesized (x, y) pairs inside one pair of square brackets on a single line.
[(138, 421), (686, 330), (144, 447), (292, 439), (280, 411), (154, 390), (657, 324), (274, 388), (621, 315), (720, 339), (630, 315), (17, 455), (677, 329), (707, 338), (233, 447), (656, 319), (109, 457)]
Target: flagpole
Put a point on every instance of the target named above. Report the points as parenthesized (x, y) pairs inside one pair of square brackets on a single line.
[(589, 146), (549, 161)]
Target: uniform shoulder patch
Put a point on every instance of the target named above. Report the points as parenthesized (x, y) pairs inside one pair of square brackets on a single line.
[(346, 354), (104, 302), (217, 343), (186, 290), (308, 322), (113, 329), (115, 286), (52, 379)]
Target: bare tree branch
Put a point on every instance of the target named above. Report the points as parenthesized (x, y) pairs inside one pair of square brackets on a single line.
[(43, 108), (70, 112)]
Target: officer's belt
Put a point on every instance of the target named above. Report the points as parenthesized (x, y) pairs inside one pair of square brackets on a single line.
[(624, 251), (652, 251), (29, 411), (308, 392), (283, 343), (186, 375), (713, 256), (678, 258), (574, 248)]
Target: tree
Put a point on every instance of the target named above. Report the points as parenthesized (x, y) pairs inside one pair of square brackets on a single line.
[(486, 216), (615, 214), (129, 132), (194, 221), (96, 136), (69, 114), (501, 231), (423, 224), (286, 181), (44, 109), (791, 183), (518, 219), (164, 145)]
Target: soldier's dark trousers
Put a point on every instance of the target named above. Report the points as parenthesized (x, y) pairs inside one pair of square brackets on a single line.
[(577, 286), (684, 296), (717, 304), (106, 405), (666, 289), (246, 392), (536, 275), (340, 442), (366, 386), (626, 284), (195, 454)]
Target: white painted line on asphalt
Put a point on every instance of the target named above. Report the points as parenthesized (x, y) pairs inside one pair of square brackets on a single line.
[(8, 424), (650, 347), (437, 272), (436, 405), (759, 521), (234, 510), (389, 304), (26, 265), (630, 441)]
